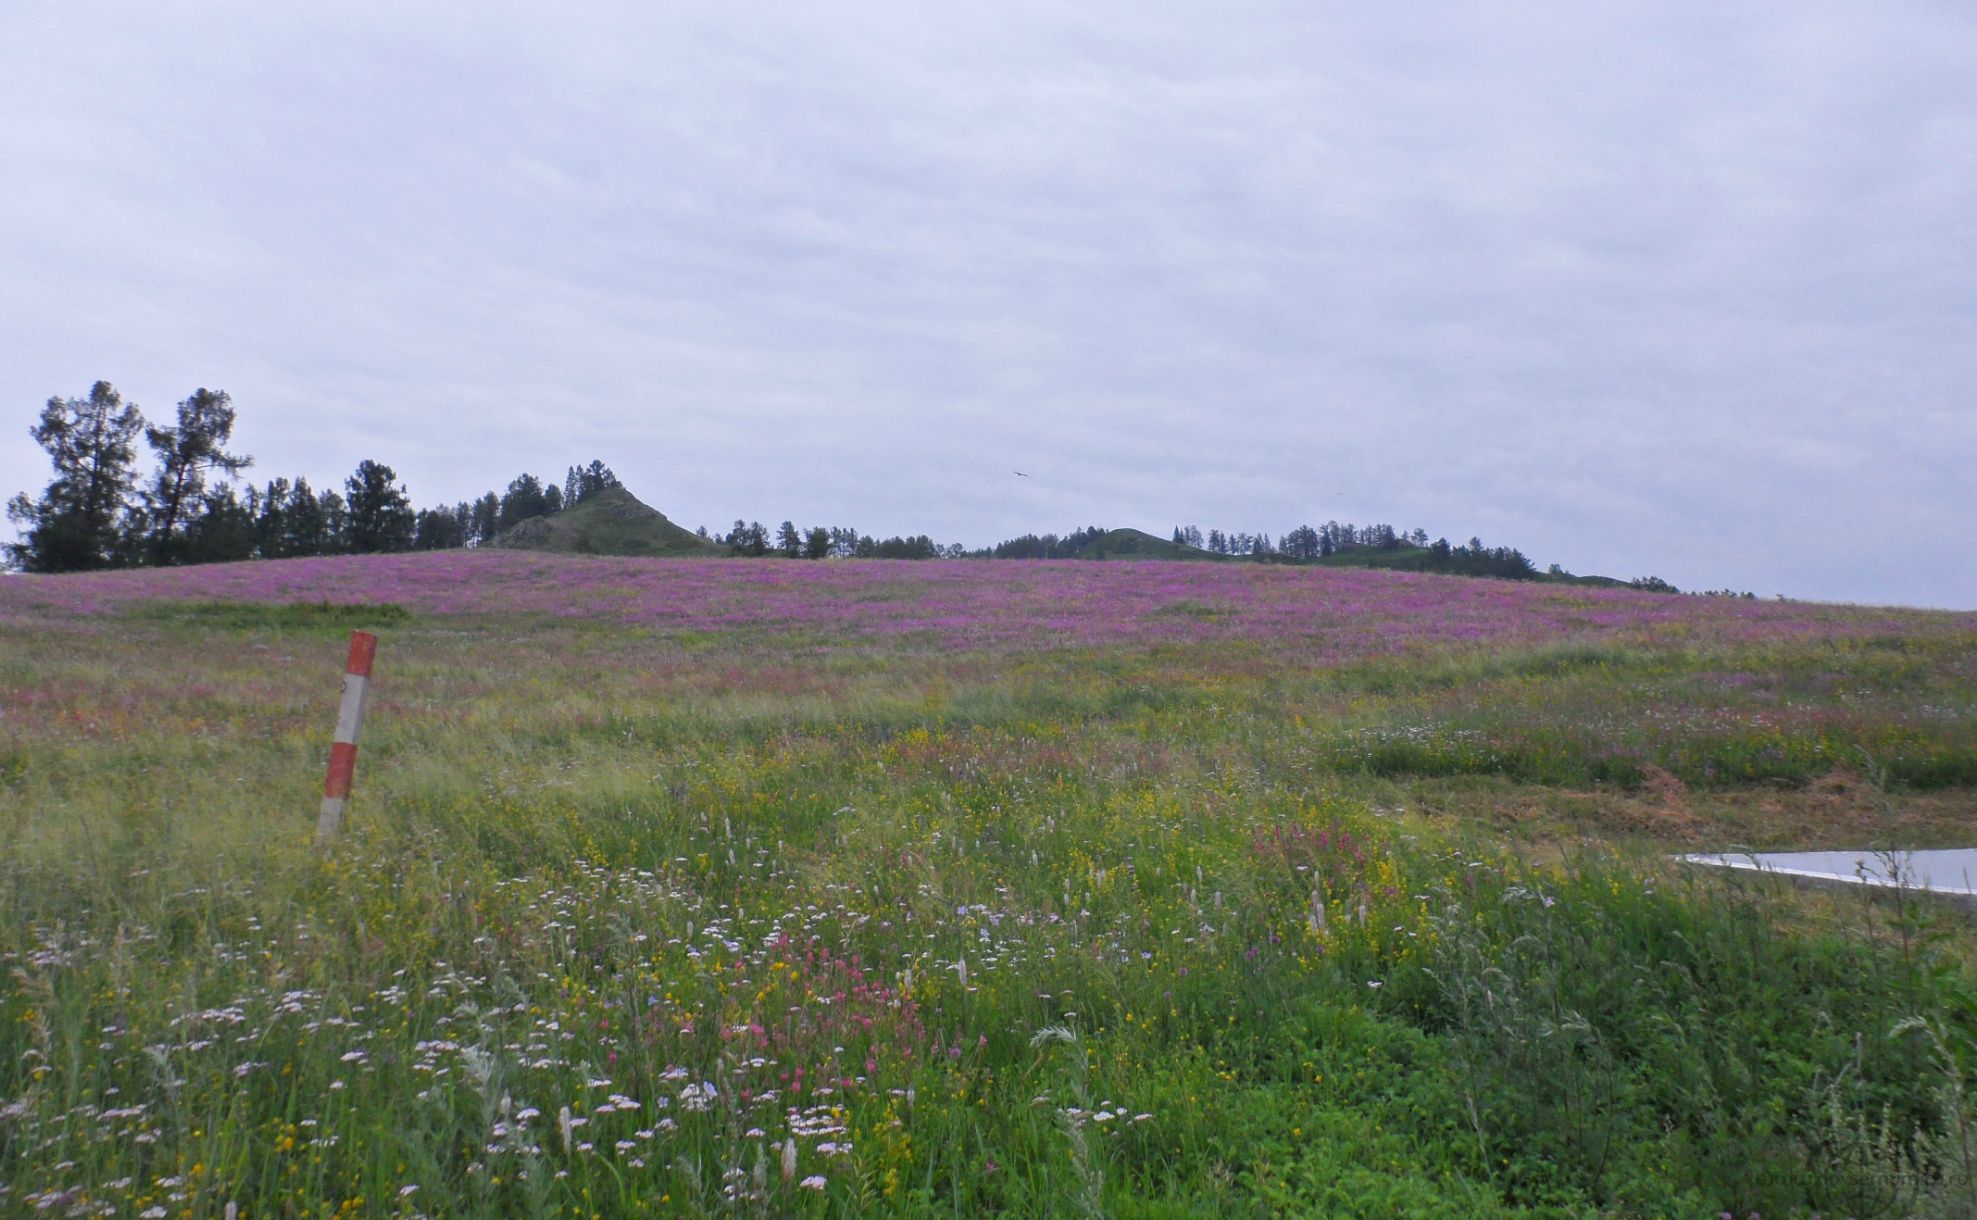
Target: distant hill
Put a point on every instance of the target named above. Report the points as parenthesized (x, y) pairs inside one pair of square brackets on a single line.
[(1094, 542), (1097, 543), (1138, 544), (1409, 558), (608, 522)]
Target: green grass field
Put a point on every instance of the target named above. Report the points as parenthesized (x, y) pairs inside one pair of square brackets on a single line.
[(723, 912)]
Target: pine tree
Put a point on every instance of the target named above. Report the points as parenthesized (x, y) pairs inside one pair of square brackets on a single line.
[(1301, 543), (583, 482), (486, 519), (186, 454), (380, 515), (335, 537), (271, 519), (438, 529), (305, 529), (85, 516), (524, 498), (220, 531)]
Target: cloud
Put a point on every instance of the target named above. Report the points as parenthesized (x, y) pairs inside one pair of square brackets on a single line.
[(1635, 289)]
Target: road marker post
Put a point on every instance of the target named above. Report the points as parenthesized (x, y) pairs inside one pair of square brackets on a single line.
[(349, 721)]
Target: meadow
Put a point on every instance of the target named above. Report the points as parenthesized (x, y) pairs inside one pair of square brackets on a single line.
[(1055, 888)]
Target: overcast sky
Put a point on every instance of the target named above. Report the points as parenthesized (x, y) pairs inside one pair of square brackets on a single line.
[(1682, 289)]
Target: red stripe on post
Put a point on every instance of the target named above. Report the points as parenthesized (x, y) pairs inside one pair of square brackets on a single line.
[(349, 721), (342, 766), (363, 650)]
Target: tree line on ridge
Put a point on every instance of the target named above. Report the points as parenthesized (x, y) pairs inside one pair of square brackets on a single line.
[(100, 512)]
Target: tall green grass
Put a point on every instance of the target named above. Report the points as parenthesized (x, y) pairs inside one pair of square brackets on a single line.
[(1059, 933)]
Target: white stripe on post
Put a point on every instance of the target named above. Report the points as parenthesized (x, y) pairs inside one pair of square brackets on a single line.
[(349, 721)]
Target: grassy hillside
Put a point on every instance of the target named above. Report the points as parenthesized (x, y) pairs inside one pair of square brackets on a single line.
[(1138, 544), (966, 889), (611, 522)]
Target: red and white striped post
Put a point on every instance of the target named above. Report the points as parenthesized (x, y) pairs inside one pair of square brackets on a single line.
[(349, 719)]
